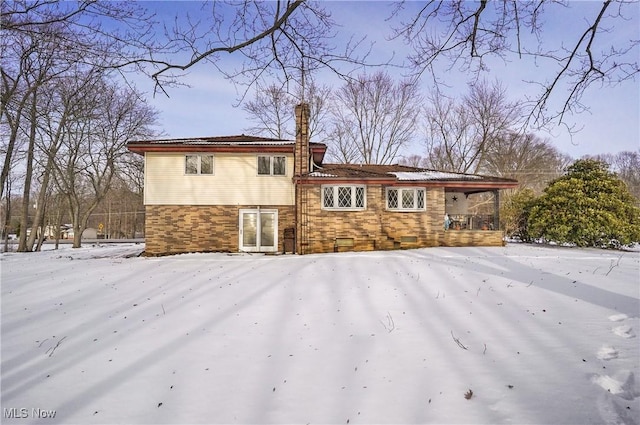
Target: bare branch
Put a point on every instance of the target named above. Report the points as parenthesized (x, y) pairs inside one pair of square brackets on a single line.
[(276, 26), (374, 118), (440, 33), (579, 86), (457, 341)]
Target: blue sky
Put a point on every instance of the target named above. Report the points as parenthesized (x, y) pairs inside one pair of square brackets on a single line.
[(207, 107)]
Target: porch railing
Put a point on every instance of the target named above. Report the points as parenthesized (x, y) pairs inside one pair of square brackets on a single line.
[(473, 222)]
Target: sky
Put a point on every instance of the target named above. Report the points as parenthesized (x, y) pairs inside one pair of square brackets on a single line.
[(209, 107), (520, 334)]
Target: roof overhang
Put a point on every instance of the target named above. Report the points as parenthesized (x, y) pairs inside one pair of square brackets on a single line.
[(142, 149), (221, 145), (398, 176), (306, 180), (467, 187)]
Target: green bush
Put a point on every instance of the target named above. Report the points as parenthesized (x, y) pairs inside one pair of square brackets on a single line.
[(515, 214), (588, 206)]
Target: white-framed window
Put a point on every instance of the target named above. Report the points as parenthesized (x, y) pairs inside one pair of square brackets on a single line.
[(272, 165), (344, 197), (406, 199), (198, 164)]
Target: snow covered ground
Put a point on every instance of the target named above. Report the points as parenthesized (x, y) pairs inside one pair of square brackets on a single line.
[(513, 335)]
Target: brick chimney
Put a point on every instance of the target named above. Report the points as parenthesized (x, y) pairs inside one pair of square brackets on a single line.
[(302, 153)]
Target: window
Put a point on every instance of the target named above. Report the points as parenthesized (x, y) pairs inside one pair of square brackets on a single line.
[(198, 164), (343, 197), (405, 199), (272, 165)]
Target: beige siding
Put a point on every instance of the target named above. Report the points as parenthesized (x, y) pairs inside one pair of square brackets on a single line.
[(235, 182)]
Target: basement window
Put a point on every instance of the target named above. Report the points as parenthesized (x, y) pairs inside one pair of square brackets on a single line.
[(408, 239), (344, 242)]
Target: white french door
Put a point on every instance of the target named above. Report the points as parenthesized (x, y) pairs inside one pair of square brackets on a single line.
[(258, 230)]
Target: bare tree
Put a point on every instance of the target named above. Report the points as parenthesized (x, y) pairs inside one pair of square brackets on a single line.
[(43, 42), (122, 209), (626, 165), (342, 147), (449, 145), (273, 38), (131, 172), (465, 35), (375, 118), (28, 65), (6, 209), (460, 133), (61, 101), (107, 35), (93, 143), (534, 162), (120, 214), (414, 160), (271, 110)]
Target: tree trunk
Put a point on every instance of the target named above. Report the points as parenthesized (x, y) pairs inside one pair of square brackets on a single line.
[(42, 198), (6, 166), (24, 220), (7, 218), (14, 125), (77, 237), (58, 220), (80, 220)]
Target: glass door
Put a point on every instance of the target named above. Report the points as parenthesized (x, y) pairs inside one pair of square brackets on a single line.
[(248, 230), (258, 230)]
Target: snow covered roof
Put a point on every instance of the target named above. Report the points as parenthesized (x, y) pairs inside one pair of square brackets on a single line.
[(321, 174), (241, 139), (397, 174), (238, 143), (433, 175)]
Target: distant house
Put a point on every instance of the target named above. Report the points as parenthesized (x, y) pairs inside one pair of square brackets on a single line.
[(254, 194), (90, 233)]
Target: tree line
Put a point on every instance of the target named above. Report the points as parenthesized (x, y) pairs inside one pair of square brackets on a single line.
[(67, 104), (374, 119), (66, 114)]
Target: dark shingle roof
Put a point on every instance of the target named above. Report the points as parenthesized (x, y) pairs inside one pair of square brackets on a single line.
[(238, 143), (241, 139)]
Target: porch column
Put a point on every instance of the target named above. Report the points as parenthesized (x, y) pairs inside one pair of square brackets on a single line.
[(496, 209)]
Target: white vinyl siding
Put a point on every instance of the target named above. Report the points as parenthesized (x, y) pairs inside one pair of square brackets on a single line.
[(235, 182)]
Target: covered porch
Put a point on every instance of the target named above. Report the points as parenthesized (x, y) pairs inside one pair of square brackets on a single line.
[(472, 217)]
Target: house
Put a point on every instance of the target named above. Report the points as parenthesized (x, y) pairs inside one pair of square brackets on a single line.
[(254, 194)]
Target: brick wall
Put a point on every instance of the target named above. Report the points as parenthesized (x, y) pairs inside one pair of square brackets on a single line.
[(472, 238), (372, 229), (173, 229)]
